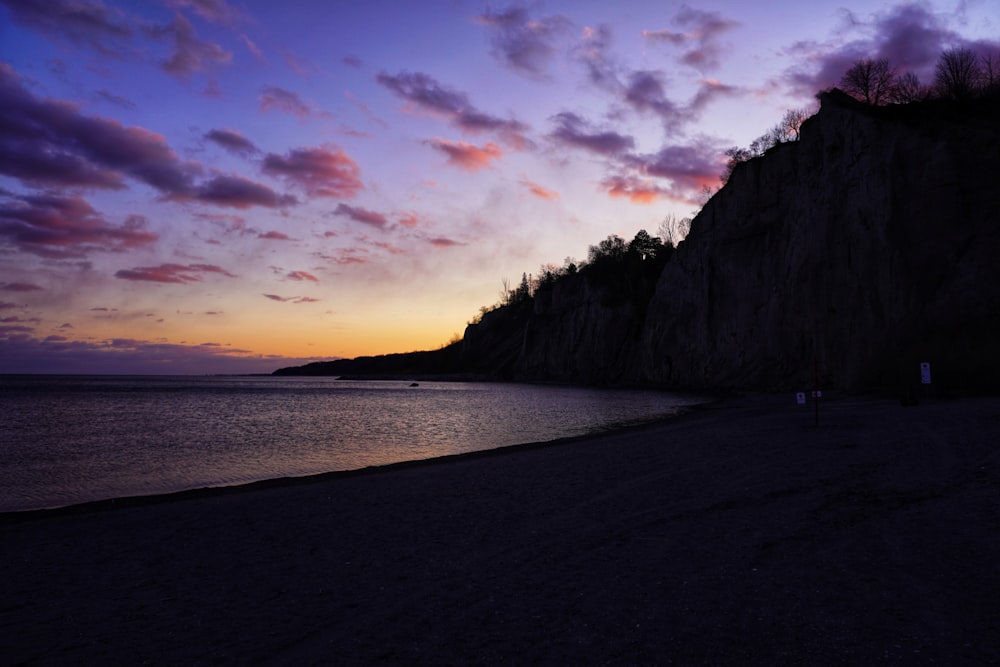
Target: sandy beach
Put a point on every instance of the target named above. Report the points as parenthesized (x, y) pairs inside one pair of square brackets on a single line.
[(737, 534)]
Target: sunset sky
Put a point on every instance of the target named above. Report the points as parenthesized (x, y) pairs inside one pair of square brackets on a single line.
[(215, 186)]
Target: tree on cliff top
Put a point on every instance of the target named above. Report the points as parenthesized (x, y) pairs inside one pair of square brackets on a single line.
[(869, 80), (958, 74)]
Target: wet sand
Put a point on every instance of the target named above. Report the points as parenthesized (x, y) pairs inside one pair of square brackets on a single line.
[(737, 534)]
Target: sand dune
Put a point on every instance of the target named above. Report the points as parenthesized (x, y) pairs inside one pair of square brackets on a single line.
[(739, 533)]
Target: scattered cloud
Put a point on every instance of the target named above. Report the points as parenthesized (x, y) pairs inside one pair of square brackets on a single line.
[(213, 11), (910, 36), (321, 172), (574, 131), (232, 141), (429, 95), (700, 36), (443, 242), (240, 193), (59, 227), (116, 100), (465, 155), (539, 191), (190, 54), (302, 275), (253, 48), (171, 273), (19, 287), (637, 190), (274, 98), (291, 299), (362, 215), (56, 354), (274, 236), (689, 169), (84, 22), (524, 44)]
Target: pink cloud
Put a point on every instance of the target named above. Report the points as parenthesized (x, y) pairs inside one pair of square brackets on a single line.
[(408, 219), (302, 275), (465, 155), (321, 172), (539, 191), (700, 36), (274, 236), (636, 190), (171, 273), (362, 215), (63, 227), (443, 242)]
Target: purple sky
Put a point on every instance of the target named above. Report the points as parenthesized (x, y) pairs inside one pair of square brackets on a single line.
[(211, 186)]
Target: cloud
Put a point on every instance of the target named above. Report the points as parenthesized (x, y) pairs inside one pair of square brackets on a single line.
[(240, 193), (116, 100), (190, 54), (232, 141), (26, 354), (539, 191), (302, 275), (60, 227), (19, 287), (909, 36), (253, 48), (83, 22), (425, 93), (645, 92), (572, 130), (291, 299), (408, 219), (213, 11), (637, 190), (46, 142), (273, 98), (274, 236), (465, 155), (522, 43), (171, 273), (321, 172), (362, 215), (701, 35), (689, 169), (443, 242), (594, 51)]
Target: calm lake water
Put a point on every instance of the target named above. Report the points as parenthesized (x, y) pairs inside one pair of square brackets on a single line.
[(74, 439)]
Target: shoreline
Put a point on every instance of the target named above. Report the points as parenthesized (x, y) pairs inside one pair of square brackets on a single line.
[(736, 533), (205, 492)]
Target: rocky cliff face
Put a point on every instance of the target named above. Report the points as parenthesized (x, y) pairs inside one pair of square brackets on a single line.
[(868, 246)]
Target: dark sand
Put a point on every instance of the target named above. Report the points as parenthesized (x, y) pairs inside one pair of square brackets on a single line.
[(738, 534)]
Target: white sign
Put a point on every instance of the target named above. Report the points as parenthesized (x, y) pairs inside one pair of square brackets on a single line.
[(925, 372), (800, 398)]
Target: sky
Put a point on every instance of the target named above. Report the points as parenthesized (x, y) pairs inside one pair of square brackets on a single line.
[(226, 186)]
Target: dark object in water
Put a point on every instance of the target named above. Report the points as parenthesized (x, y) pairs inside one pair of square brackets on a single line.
[(414, 384)]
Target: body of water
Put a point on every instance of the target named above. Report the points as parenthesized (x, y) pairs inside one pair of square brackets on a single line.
[(75, 439)]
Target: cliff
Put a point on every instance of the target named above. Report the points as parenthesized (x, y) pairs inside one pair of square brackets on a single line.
[(868, 246), (864, 248)]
